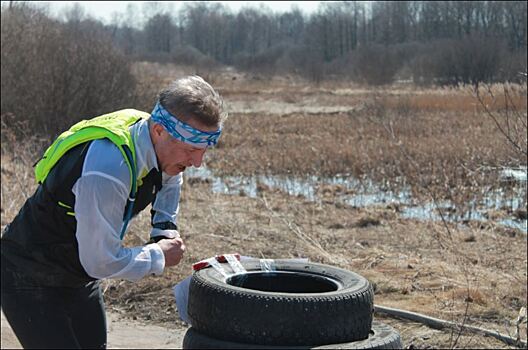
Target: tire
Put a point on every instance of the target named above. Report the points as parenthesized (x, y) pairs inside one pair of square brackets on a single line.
[(298, 304), (381, 337)]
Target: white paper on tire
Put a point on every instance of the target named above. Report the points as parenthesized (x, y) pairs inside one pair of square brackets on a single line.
[(235, 264), (267, 265), (181, 290), (217, 266)]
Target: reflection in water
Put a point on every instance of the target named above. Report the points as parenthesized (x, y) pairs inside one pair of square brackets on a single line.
[(364, 192)]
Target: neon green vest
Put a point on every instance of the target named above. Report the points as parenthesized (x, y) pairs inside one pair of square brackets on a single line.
[(113, 126)]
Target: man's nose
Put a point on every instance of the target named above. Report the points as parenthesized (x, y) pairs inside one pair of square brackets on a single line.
[(197, 159)]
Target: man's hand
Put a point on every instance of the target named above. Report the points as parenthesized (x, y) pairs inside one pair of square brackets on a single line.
[(173, 250)]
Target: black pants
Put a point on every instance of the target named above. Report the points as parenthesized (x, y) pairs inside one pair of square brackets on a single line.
[(53, 317)]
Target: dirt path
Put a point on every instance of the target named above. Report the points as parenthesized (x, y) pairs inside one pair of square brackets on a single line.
[(122, 334), (128, 334)]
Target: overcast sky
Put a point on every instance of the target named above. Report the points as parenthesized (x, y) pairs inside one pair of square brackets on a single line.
[(104, 10)]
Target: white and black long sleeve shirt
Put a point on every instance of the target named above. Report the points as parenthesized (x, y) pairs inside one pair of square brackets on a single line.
[(100, 197)]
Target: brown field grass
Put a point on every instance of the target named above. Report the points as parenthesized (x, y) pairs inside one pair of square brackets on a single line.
[(413, 265), (439, 140), (250, 88), (475, 274), (355, 144)]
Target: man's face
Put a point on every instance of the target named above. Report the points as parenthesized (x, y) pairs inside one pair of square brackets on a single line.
[(174, 155)]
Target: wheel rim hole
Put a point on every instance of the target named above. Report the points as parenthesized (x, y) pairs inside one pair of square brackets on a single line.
[(284, 282)]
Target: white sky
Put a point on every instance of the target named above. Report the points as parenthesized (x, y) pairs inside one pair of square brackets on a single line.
[(104, 10)]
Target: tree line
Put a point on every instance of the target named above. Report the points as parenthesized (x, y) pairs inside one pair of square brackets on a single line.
[(55, 71), (378, 42), (446, 42)]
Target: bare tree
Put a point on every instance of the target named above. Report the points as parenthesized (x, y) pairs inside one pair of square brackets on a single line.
[(159, 33), (257, 39)]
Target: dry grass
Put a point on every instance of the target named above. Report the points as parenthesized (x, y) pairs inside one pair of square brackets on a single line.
[(437, 141), (451, 153), (403, 258), (453, 100), (475, 274), (356, 144), (20, 150)]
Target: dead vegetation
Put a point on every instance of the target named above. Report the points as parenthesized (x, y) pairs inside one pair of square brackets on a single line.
[(474, 274)]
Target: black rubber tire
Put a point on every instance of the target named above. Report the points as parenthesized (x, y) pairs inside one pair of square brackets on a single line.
[(381, 336), (277, 316)]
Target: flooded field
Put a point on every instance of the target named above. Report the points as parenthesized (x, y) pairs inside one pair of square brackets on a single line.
[(360, 193)]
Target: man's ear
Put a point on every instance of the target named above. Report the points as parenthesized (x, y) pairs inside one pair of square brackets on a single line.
[(158, 129), (156, 132)]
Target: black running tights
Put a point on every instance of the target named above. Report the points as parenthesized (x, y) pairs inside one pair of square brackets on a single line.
[(53, 317)]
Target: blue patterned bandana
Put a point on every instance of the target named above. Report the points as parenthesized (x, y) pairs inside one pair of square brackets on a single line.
[(182, 131)]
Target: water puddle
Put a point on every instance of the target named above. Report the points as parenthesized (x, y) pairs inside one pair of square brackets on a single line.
[(364, 192)]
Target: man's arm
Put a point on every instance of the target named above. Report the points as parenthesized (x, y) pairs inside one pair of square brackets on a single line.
[(99, 207), (166, 207), (101, 194)]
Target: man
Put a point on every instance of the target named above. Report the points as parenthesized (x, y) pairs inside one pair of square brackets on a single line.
[(93, 179)]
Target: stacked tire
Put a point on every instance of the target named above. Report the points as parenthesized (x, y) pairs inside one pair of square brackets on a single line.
[(298, 305)]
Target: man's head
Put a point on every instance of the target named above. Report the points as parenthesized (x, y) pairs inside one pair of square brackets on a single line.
[(186, 120)]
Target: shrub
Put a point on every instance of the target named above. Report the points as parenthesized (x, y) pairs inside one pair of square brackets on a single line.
[(55, 74), (471, 60), (375, 64)]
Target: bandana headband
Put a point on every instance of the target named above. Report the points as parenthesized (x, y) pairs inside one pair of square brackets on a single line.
[(182, 131)]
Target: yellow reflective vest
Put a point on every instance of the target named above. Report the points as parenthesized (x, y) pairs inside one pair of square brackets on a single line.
[(113, 126)]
